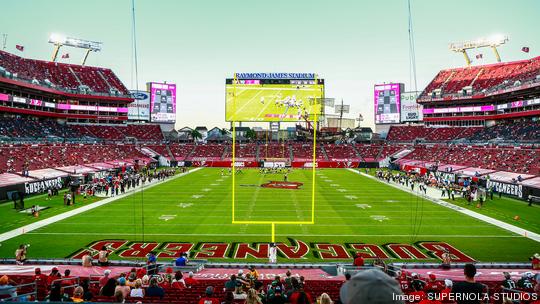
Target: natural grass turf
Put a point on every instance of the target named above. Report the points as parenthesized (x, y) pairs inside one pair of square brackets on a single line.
[(506, 209), (338, 219), (11, 218)]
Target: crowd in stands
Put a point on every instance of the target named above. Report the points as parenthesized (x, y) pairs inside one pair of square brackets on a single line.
[(509, 159), (31, 157), (411, 133), (368, 286), (484, 78), (66, 77), (522, 131), (40, 129)]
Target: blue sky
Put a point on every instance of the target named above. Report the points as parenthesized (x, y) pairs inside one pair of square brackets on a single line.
[(197, 44)]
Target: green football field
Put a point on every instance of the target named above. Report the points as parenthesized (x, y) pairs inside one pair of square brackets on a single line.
[(352, 213), (271, 102)]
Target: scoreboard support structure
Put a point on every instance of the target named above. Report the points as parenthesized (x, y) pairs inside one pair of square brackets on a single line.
[(233, 173)]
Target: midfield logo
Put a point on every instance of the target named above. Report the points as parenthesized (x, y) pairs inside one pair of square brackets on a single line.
[(295, 250), (282, 185)]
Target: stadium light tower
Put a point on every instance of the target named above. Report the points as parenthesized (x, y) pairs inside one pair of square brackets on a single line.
[(59, 41), (493, 42)]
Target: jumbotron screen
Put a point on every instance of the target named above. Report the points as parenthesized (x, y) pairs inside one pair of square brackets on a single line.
[(162, 102), (387, 103), (285, 100)]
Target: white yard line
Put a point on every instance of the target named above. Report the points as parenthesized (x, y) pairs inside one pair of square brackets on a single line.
[(522, 232), (53, 219)]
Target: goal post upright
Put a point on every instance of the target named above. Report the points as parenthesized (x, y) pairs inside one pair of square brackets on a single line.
[(315, 117)]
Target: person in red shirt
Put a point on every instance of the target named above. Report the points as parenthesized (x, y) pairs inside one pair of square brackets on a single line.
[(433, 284), (208, 298), (300, 297), (358, 260), (55, 275), (535, 261), (103, 280), (190, 280), (404, 282)]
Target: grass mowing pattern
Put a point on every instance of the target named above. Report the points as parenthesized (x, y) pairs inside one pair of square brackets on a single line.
[(346, 204)]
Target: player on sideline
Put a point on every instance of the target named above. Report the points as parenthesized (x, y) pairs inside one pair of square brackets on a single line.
[(272, 254)]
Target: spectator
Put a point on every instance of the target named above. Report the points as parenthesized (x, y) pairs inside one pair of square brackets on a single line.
[(229, 298), (154, 290), (252, 297), (325, 299), (190, 280), (275, 296), (119, 297), (6, 288), (181, 260), (131, 280), (54, 275), (230, 285), (178, 281), (103, 256), (152, 263), (86, 260), (300, 297), (78, 295), (468, 288), (108, 289), (370, 287), (137, 291), (103, 280), (122, 287), (254, 274), (535, 261), (239, 293), (358, 260), (87, 295), (208, 297), (20, 254), (40, 279), (445, 293), (57, 294)]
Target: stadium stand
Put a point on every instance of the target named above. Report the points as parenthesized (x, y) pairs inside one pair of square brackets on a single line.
[(207, 152), (485, 78), (243, 151), (66, 77), (274, 150), (305, 152), (341, 152), (181, 151), (56, 155), (519, 131), (510, 159)]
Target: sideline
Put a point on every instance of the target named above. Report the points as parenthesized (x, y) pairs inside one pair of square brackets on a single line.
[(517, 230), (30, 227)]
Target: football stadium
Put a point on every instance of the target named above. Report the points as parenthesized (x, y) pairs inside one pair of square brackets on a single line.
[(200, 155)]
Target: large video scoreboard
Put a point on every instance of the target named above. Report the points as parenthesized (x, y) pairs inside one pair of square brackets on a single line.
[(162, 102), (285, 97), (387, 102)]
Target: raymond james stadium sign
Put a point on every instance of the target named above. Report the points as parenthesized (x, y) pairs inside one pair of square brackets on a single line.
[(510, 189), (295, 250), (42, 185), (275, 75)]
